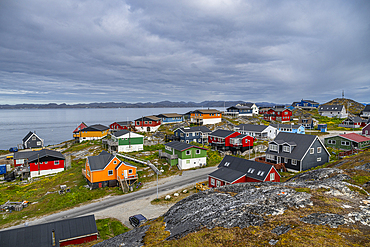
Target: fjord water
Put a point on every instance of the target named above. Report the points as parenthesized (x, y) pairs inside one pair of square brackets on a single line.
[(56, 125)]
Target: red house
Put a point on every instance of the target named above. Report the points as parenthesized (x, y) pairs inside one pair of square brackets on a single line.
[(124, 125), (46, 162), (234, 170), (147, 124), (227, 140), (278, 114)]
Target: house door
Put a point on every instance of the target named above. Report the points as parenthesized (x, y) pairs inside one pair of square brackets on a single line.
[(278, 160), (148, 129), (125, 173)]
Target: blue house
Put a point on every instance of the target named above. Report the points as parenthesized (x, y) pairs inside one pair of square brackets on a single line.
[(289, 128), (170, 118), (306, 104), (197, 134), (322, 127)]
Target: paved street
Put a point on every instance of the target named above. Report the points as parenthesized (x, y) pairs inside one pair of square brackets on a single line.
[(133, 203)]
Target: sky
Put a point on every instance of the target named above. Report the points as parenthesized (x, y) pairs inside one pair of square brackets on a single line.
[(79, 51)]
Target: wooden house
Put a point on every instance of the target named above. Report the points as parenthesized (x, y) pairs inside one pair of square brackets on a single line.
[(167, 118), (197, 134), (128, 141), (65, 232), (204, 116), (248, 109), (290, 128), (348, 141), (228, 140), (123, 125), (353, 122), (365, 113), (279, 114), (93, 132), (31, 140), (297, 152), (306, 104), (107, 170), (366, 130), (183, 155), (257, 131), (21, 158), (338, 111), (147, 124), (234, 170), (45, 162)]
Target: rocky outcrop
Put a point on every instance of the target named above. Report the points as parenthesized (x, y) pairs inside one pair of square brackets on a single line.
[(133, 238), (250, 204)]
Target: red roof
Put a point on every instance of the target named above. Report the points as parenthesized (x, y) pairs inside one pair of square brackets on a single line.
[(80, 127), (355, 137)]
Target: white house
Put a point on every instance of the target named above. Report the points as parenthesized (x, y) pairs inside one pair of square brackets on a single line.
[(257, 131), (338, 111), (128, 141)]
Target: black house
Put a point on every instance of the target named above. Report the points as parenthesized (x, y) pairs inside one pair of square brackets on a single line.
[(299, 152), (31, 140)]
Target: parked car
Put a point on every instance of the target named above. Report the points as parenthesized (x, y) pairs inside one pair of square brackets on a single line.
[(13, 149), (137, 220)]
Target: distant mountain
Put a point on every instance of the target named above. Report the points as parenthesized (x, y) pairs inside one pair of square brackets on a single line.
[(352, 106), (161, 104)]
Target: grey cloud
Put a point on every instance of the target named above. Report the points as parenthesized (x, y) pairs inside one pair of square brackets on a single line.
[(183, 50)]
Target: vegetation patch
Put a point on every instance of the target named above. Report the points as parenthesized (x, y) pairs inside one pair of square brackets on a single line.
[(110, 227)]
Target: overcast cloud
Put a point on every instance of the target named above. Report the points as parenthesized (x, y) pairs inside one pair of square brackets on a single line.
[(74, 51)]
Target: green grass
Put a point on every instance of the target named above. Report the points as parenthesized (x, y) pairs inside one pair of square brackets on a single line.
[(110, 227)]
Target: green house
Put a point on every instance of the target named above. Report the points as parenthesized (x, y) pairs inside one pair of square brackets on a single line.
[(348, 141), (183, 155), (128, 141)]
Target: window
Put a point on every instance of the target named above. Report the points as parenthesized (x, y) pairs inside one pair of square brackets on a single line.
[(88, 173), (270, 157), (260, 173), (251, 170), (110, 172), (286, 149), (212, 181), (312, 150), (182, 134), (218, 183), (331, 141), (227, 164), (56, 162), (188, 152), (319, 150), (137, 123), (294, 162), (272, 176), (273, 147), (150, 122), (33, 138), (319, 159), (187, 141), (197, 133), (146, 122), (197, 151), (130, 171), (168, 148), (187, 134), (344, 143)]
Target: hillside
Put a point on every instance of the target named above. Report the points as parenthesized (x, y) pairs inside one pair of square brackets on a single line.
[(323, 207), (352, 106)]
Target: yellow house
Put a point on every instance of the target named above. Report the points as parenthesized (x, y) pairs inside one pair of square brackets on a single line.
[(93, 132), (106, 170)]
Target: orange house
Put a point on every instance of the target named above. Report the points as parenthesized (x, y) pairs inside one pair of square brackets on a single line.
[(93, 132), (208, 116), (107, 170)]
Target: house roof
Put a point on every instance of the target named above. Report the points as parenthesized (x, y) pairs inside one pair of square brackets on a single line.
[(280, 109), (24, 154), (330, 108), (80, 127), (207, 111), (46, 153), (287, 126), (233, 168), (252, 127), (222, 133), (302, 142), (169, 115), (121, 133), (181, 146), (202, 129), (41, 235), (309, 121), (100, 162), (246, 104), (310, 101), (355, 137), (152, 118), (124, 123), (367, 108), (240, 107), (96, 127), (29, 135), (355, 119)]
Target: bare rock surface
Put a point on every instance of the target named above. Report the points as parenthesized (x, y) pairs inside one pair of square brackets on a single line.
[(333, 220), (133, 238)]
